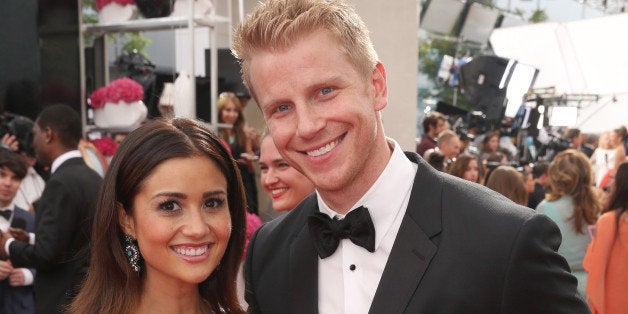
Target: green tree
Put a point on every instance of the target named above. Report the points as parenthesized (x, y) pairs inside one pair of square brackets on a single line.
[(538, 16)]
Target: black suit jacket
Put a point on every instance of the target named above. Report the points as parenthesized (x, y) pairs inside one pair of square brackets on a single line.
[(461, 248), (64, 221), (18, 300)]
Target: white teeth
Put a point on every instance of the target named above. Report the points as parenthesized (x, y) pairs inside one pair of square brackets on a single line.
[(323, 150), (278, 191), (191, 251)]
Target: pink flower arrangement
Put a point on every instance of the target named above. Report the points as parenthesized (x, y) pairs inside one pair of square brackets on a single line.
[(124, 89), (102, 3), (106, 145), (98, 97)]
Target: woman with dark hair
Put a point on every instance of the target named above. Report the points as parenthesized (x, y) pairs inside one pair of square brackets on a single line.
[(608, 252), (465, 166), (169, 226), (573, 203)]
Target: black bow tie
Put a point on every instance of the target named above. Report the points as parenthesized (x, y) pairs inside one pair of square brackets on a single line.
[(357, 227), (6, 214)]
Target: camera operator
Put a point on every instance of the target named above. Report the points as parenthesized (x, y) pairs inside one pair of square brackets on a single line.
[(17, 136)]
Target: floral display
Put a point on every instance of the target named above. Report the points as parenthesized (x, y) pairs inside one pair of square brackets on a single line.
[(105, 145), (101, 3), (124, 89)]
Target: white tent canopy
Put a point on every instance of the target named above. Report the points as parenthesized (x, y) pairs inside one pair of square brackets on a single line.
[(579, 57)]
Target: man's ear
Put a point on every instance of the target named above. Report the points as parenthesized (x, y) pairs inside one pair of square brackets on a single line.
[(126, 221), (48, 134), (378, 79)]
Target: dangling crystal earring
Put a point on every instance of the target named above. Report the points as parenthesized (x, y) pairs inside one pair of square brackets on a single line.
[(132, 252)]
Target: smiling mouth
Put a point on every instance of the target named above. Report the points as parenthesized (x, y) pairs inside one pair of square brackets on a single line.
[(324, 149), (189, 251), (278, 191)]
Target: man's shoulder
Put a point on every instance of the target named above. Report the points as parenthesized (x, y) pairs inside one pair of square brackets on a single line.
[(453, 198)]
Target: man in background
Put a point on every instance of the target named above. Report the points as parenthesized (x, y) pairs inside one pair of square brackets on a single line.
[(16, 284), (64, 216), (541, 183), (433, 124)]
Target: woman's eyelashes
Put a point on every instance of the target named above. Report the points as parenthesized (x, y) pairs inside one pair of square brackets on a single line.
[(215, 202), (173, 206)]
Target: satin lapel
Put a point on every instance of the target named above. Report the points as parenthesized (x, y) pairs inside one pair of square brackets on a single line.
[(413, 250), (303, 273)]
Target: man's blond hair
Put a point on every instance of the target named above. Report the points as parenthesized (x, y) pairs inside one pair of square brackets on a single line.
[(278, 24)]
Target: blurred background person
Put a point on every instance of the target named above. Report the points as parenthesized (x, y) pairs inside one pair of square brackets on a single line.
[(494, 160), (64, 213), (435, 158), (433, 124), (603, 158), (541, 183), (528, 179), (573, 204), (509, 182), (490, 144), (589, 143), (449, 145), (466, 167), (16, 284), (607, 255), (230, 112), (285, 185), (33, 184)]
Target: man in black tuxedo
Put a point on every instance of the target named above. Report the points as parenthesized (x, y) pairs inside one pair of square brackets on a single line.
[(383, 233), (64, 214)]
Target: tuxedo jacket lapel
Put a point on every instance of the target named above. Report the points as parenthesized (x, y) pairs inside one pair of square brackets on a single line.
[(303, 268), (413, 248)]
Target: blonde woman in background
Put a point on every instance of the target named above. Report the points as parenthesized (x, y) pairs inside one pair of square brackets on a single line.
[(284, 184), (230, 112), (573, 203)]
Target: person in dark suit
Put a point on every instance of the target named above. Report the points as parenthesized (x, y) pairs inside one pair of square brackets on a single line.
[(64, 214), (384, 232), (16, 284)]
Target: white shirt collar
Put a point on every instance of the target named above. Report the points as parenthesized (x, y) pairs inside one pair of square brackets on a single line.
[(10, 207), (384, 199), (62, 158)]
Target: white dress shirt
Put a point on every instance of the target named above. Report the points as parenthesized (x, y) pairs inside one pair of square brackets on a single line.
[(348, 279), (30, 189)]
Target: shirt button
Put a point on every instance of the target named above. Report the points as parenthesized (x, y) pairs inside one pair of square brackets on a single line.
[(352, 267)]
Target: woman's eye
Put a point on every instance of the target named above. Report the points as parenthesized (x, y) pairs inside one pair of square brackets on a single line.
[(169, 206), (214, 203), (326, 90), (283, 165)]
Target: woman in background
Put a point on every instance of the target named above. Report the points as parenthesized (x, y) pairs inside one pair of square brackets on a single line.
[(573, 204), (286, 186), (230, 112), (507, 181), (607, 255), (466, 167), (169, 226)]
